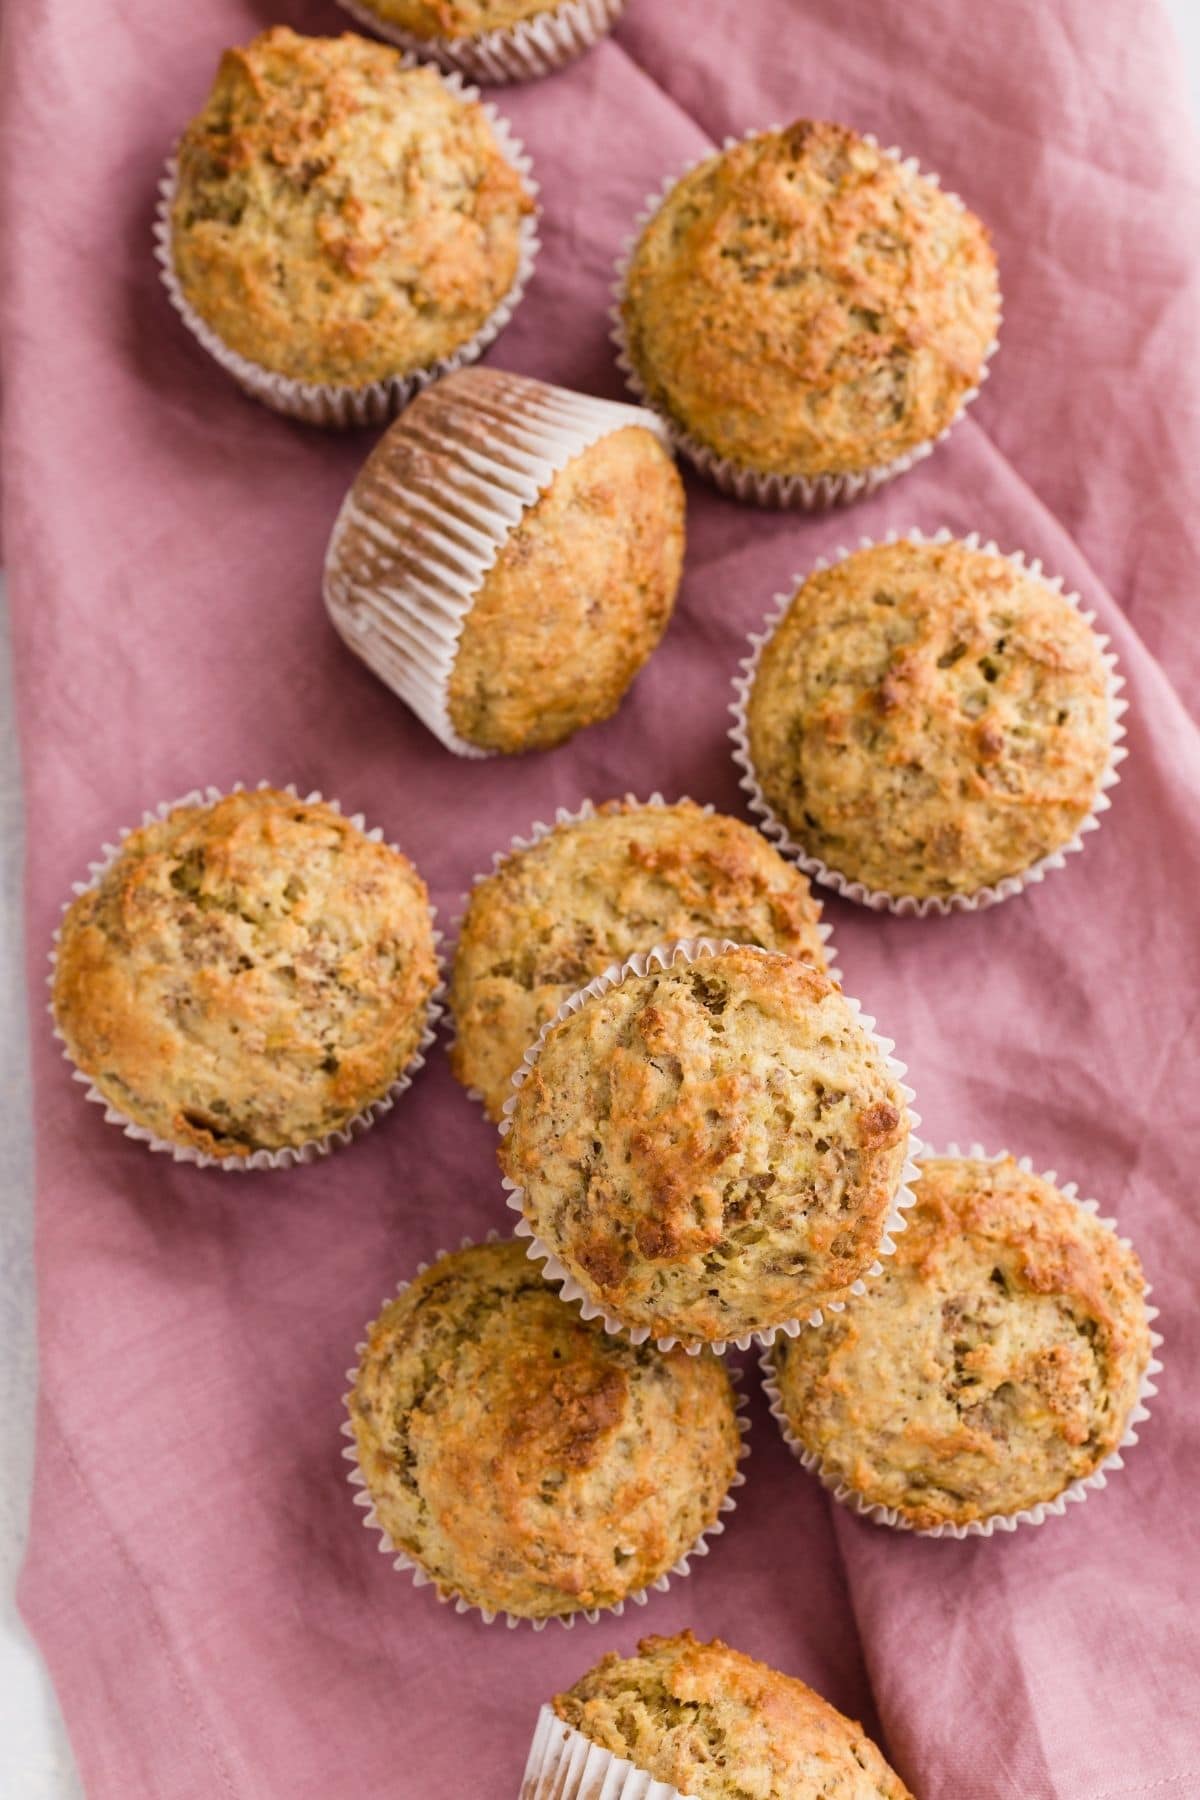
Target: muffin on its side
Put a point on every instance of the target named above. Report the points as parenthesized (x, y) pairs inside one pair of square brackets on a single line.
[(717, 1725), (594, 891), (995, 1361), (247, 975), (526, 1461)]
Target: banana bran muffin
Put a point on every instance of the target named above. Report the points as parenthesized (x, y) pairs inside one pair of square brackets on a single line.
[(594, 891), (457, 18), (995, 1361), (340, 218), (804, 304), (247, 974), (527, 1461), (711, 1149), (717, 1725), (929, 718)]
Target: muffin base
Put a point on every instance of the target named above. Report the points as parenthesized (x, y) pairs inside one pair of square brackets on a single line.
[(665, 956), (312, 1148), (1033, 1515), (406, 1564), (522, 52), (913, 905), (565, 1765)]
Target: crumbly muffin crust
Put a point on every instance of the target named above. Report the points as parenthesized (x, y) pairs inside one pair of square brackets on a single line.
[(247, 975), (803, 304), (720, 1726), (928, 719), (596, 891), (340, 218), (994, 1362), (711, 1149), (525, 1459), (457, 18)]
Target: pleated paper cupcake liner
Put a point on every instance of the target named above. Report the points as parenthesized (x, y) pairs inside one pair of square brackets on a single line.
[(403, 1563), (758, 487), (912, 905), (340, 405), (665, 956), (499, 440), (312, 1148), (1033, 1515), (522, 52), (565, 1765)]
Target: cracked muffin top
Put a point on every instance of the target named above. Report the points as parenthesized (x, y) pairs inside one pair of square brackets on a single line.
[(526, 1460), (340, 218), (713, 1149), (247, 975), (995, 1361), (457, 18), (929, 718), (595, 891), (719, 1726), (804, 304)]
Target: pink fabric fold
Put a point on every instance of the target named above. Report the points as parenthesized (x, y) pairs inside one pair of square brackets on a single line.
[(215, 1618)]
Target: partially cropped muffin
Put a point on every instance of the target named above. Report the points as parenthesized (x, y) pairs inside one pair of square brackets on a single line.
[(457, 18), (803, 304), (717, 1725), (711, 1149), (250, 974), (491, 40), (339, 218), (595, 891), (525, 1460), (930, 719), (995, 1361)]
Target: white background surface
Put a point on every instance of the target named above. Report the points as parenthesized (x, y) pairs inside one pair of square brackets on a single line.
[(35, 1761)]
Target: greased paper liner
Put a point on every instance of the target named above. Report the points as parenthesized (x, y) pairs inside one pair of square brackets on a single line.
[(335, 404), (404, 1563), (589, 810), (565, 1765), (800, 493), (505, 438), (665, 956), (312, 1148), (1033, 1515), (521, 52), (910, 905)]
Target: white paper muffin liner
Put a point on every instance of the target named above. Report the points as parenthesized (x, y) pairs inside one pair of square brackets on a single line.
[(798, 493), (312, 1148), (333, 404), (1033, 1515), (406, 1564), (522, 52), (912, 905), (504, 438), (665, 956), (565, 1765)]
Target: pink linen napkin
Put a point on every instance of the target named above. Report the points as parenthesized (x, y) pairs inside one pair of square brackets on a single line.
[(215, 1618)]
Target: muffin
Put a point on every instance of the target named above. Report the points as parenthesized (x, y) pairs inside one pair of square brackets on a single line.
[(247, 976), (996, 1361), (712, 1723), (508, 558), (341, 220), (524, 1460), (711, 1149), (491, 40), (929, 719), (600, 886), (805, 307)]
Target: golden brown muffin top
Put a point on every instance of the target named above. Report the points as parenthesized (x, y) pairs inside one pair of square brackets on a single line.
[(928, 719), (713, 1149), (457, 18), (719, 1726), (995, 1361), (595, 891), (247, 974), (527, 1461), (340, 218), (803, 303)]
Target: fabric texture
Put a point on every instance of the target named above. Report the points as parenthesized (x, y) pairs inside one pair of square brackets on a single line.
[(216, 1619)]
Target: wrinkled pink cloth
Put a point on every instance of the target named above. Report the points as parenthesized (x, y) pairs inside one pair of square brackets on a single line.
[(216, 1619)]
